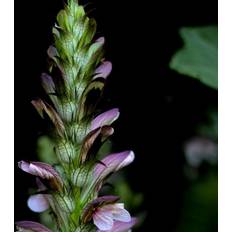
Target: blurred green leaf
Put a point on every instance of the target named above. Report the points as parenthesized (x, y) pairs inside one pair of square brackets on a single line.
[(198, 57), (46, 219), (200, 206), (45, 150), (105, 149), (210, 129), (132, 199)]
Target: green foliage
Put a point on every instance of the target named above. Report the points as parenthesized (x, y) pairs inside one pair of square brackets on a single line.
[(106, 148), (198, 57), (200, 205), (122, 188), (210, 129), (47, 220), (45, 150)]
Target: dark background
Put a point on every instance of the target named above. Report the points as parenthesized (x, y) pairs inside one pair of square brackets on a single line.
[(159, 108)]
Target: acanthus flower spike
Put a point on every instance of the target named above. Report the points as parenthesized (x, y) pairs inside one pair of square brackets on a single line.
[(77, 70)]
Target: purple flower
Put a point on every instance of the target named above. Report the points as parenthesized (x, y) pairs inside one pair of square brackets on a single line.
[(105, 216), (25, 226), (44, 171), (38, 203), (105, 119), (108, 215), (120, 226), (113, 163), (100, 40), (103, 70)]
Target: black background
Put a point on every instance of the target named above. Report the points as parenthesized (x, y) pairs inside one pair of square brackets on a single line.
[(159, 108)]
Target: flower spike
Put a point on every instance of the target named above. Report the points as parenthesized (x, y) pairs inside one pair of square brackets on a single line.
[(77, 72)]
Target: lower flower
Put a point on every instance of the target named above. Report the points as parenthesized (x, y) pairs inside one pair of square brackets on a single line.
[(108, 215), (105, 216)]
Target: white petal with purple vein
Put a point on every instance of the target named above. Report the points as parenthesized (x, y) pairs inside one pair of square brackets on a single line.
[(118, 212), (121, 226), (103, 219)]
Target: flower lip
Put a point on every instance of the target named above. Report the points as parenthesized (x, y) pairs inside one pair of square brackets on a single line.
[(120, 226), (100, 40), (103, 70), (38, 203), (95, 204), (113, 163), (105, 119), (105, 212)]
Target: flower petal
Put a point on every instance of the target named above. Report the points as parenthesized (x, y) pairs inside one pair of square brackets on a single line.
[(100, 40), (103, 219), (121, 226), (97, 203), (52, 52), (113, 163), (44, 171), (26, 226), (118, 211), (103, 70), (38, 203), (47, 83), (105, 119)]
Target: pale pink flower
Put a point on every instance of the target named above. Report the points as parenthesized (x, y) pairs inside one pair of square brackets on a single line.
[(113, 163), (120, 226), (108, 215), (103, 70), (105, 119), (105, 216)]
